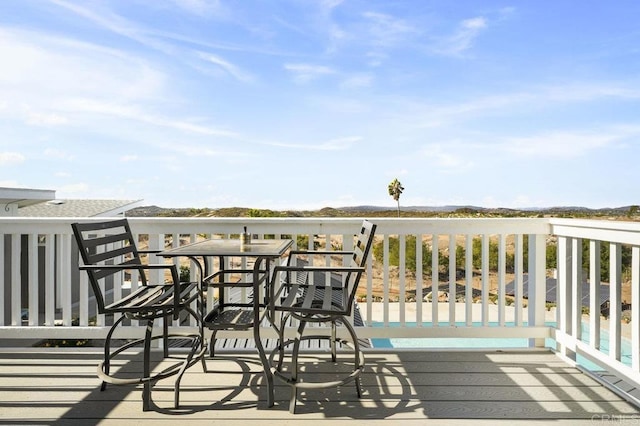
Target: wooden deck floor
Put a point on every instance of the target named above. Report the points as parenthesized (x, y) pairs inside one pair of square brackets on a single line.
[(59, 387)]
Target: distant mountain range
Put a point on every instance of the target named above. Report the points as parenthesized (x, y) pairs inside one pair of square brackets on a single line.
[(454, 208), (150, 211)]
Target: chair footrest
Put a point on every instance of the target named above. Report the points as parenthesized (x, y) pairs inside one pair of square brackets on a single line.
[(194, 356), (231, 318)]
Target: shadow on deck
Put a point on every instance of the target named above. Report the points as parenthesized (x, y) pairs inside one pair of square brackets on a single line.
[(59, 387)]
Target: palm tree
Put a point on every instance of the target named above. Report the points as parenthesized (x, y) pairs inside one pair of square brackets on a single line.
[(395, 190)]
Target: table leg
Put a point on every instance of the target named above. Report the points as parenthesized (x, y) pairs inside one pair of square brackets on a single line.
[(268, 376)]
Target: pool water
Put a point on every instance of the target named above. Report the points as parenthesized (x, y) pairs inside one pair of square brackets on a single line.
[(498, 343)]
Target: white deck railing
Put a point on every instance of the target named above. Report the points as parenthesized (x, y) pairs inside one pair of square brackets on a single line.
[(44, 296)]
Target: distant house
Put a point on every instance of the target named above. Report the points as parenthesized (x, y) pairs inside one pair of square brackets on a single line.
[(79, 208), (13, 199), (20, 202), (25, 202), (552, 292)]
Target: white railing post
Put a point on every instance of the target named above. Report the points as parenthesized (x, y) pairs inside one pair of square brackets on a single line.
[(435, 279), (519, 279), (65, 279), (595, 270), (33, 280), (564, 296), (16, 281), (485, 279), (2, 275), (452, 279), (635, 313), (615, 286), (419, 280), (537, 284), (468, 276), (502, 266), (576, 288), (49, 280)]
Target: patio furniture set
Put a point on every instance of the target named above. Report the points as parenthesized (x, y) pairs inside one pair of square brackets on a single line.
[(280, 292)]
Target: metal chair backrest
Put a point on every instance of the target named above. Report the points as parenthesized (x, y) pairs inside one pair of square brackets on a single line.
[(359, 258), (106, 243)]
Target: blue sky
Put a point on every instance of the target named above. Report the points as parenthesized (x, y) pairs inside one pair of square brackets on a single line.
[(313, 103)]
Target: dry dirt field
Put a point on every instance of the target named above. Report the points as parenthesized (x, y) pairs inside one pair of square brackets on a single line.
[(410, 282)]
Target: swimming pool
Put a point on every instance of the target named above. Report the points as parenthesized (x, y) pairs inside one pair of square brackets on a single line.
[(497, 343)]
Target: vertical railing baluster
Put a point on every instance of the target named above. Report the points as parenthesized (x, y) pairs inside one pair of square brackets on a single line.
[(485, 280), (576, 289), (401, 278), (635, 312), (595, 270), (615, 286), (519, 279), (468, 276), (65, 279), (33, 280), (385, 280), (537, 284), (452, 280), (2, 274), (16, 284), (419, 280), (502, 261), (49, 279), (564, 294), (435, 279)]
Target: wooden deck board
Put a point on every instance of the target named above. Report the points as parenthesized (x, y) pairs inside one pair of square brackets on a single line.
[(59, 386)]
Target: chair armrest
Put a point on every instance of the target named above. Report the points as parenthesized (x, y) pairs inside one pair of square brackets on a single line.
[(285, 268), (124, 267), (320, 252), (224, 272), (174, 271)]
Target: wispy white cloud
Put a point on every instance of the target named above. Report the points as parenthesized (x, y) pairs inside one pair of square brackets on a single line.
[(304, 73), (462, 39), (45, 119), (11, 158), (338, 144), (357, 81), (204, 8), (452, 157), (133, 112), (387, 30), (563, 144), (329, 5), (529, 100), (40, 71), (58, 154), (75, 188), (229, 68), (115, 23)]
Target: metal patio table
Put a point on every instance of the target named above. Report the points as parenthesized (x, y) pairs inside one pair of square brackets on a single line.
[(238, 315)]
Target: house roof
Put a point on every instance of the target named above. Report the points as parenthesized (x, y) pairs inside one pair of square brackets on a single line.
[(552, 290), (23, 197), (79, 208)]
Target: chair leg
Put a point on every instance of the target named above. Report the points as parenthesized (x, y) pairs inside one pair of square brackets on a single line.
[(294, 367), (332, 341), (212, 343), (165, 334), (186, 364), (106, 366), (356, 350), (283, 320), (146, 391)]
